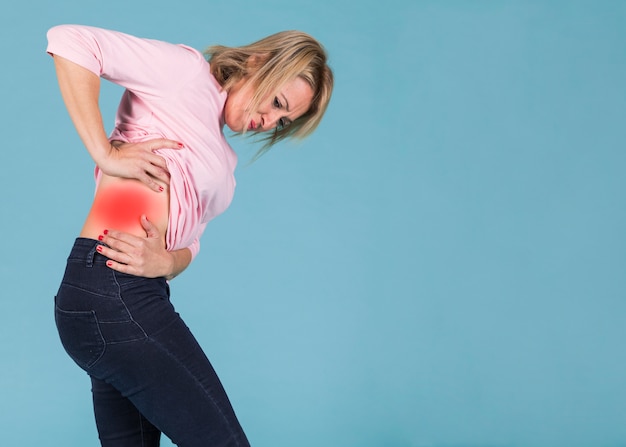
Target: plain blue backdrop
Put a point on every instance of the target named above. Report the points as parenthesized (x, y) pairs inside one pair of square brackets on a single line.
[(442, 264)]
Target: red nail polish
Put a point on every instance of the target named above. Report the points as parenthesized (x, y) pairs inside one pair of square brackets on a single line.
[(100, 237), (99, 248), (109, 263), (106, 231), (181, 145)]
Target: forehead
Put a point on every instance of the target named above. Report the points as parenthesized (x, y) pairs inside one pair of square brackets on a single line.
[(298, 95)]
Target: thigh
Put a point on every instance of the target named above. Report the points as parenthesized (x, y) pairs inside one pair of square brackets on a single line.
[(119, 422), (124, 332), (169, 379)]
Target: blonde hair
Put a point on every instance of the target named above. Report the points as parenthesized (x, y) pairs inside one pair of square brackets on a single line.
[(268, 65)]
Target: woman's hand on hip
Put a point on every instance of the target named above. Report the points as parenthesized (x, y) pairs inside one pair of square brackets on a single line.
[(139, 161), (139, 256)]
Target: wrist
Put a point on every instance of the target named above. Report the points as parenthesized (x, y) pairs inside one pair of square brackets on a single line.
[(181, 259), (102, 155), (170, 272)]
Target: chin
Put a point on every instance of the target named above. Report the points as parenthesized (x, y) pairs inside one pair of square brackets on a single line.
[(234, 127)]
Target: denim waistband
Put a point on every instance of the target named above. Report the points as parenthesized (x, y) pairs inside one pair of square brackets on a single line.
[(84, 249)]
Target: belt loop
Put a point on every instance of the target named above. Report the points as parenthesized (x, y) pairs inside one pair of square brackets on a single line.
[(91, 255)]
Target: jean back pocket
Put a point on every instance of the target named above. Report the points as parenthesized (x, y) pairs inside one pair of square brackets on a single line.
[(80, 335)]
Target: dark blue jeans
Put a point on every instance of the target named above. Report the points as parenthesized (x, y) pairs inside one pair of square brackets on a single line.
[(149, 375)]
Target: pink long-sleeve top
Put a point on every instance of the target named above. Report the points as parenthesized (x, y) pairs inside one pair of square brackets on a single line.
[(170, 93)]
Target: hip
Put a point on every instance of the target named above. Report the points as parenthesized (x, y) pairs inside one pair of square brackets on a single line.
[(89, 287)]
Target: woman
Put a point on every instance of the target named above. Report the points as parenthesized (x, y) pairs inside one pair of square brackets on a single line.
[(165, 171)]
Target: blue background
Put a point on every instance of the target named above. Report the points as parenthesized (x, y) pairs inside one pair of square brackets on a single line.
[(442, 264)]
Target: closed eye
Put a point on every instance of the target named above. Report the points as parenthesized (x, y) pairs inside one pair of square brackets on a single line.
[(282, 123)]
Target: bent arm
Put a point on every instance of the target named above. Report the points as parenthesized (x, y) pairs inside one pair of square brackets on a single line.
[(80, 89), (181, 260)]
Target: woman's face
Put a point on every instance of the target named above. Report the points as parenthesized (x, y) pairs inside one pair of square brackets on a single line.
[(291, 102)]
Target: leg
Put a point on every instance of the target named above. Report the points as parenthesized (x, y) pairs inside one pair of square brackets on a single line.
[(165, 373), (119, 422), (171, 382), (124, 332)]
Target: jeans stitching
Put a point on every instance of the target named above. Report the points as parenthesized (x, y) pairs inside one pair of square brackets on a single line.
[(69, 314), (130, 315), (141, 428), (199, 384)]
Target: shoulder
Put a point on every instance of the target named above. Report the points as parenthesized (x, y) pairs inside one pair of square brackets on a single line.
[(107, 40)]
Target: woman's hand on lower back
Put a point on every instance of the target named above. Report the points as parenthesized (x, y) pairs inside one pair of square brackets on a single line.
[(139, 161), (143, 256), (80, 89)]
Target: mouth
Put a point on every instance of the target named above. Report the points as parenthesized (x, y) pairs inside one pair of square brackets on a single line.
[(252, 125)]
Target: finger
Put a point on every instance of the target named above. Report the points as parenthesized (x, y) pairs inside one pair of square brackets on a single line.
[(115, 255), (157, 167), (120, 241), (129, 269), (151, 230), (150, 182), (157, 160), (159, 175), (165, 144), (119, 267)]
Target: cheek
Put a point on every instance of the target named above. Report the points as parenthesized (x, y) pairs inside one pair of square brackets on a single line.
[(235, 112), (230, 115)]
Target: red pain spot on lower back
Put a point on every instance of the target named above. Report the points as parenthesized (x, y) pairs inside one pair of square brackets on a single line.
[(121, 206)]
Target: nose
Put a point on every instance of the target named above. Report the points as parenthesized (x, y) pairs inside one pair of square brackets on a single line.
[(270, 119)]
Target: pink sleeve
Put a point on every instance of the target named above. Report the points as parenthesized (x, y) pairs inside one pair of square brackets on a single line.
[(144, 66), (194, 248)]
